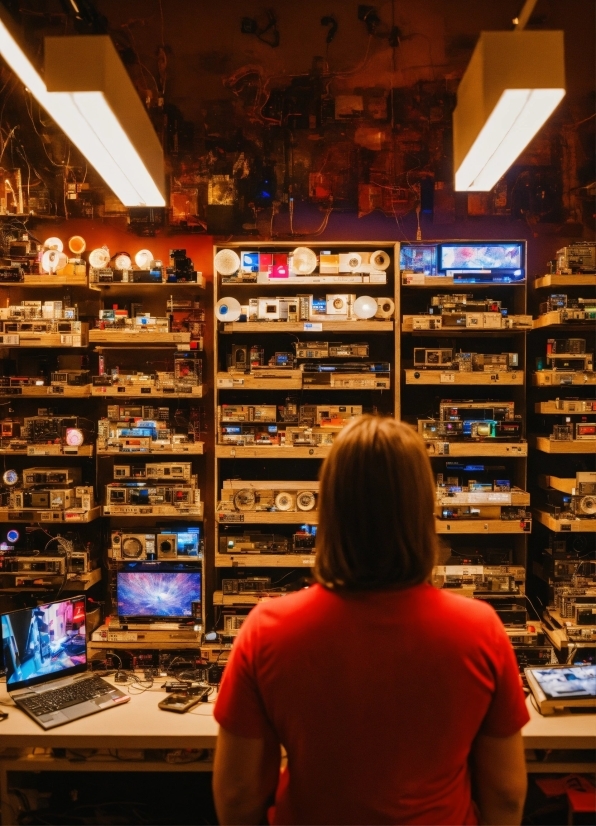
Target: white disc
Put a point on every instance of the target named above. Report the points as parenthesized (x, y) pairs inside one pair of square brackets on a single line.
[(227, 262), (385, 308), (77, 245), (304, 261), (50, 260), (365, 306), (354, 261), (284, 501), (228, 309), (380, 260), (143, 259), (305, 500), (53, 244), (122, 261), (99, 258)]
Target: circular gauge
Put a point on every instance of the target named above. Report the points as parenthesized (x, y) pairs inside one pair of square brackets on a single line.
[(339, 303), (228, 309), (587, 505), (10, 477), (50, 260), (245, 499), (74, 437), (354, 261), (53, 244), (132, 547), (227, 262), (284, 501), (122, 261), (380, 260), (12, 536), (143, 259), (385, 308), (304, 261), (99, 258), (305, 500), (77, 245), (365, 306)]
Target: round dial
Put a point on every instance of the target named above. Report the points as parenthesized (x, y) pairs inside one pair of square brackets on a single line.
[(99, 258), (10, 477), (132, 547), (74, 437)]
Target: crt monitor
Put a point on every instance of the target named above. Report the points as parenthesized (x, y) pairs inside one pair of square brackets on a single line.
[(156, 595)]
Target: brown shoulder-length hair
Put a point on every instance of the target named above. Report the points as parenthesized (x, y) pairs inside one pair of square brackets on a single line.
[(376, 508)]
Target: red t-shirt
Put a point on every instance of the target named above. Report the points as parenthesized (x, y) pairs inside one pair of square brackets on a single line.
[(376, 697)]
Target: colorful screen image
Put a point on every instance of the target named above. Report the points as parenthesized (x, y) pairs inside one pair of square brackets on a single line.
[(43, 640), (421, 258), (188, 542), (159, 594), (480, 257), (566, 683)]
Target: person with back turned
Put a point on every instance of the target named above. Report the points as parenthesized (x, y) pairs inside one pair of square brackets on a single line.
[(396, 702)]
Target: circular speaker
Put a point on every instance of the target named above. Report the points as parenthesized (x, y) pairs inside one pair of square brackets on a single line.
[(51, 260), (365, 306), (99, 258), (143, 259), (228, 309), (122, 261), (284, 501), (587, 505), (354, 261), (339, 303), (53, 244), (227, 262), (77, 245), (245, 499), (380, 260), (385, 308), (132, 547), (305, 500), (304, 261)]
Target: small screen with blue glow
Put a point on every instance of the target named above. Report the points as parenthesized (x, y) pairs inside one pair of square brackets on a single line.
[(157, 594)]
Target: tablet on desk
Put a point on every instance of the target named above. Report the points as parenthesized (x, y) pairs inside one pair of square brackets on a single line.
[(563, 687)]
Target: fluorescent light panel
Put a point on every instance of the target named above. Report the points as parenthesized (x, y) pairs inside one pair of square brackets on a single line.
[(89, 122)]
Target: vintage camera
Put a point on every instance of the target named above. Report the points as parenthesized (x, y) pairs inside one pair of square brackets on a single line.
[(132, 545), (436, 358), (250, 585), (45, 476)]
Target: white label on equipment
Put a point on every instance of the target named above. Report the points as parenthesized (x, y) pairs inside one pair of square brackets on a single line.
[(447, 378), (313, 327)]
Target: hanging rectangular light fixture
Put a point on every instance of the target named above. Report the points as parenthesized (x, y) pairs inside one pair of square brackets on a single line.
[(513, 83), (88, 93)]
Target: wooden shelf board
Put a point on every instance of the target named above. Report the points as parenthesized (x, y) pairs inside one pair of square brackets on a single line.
[(356, 279), (515, 498), (302, 327), (143, 645), (85, 451), (46, 391), (515, 377), (51, 281), (565, 281), (172, 513), (144, 285), (547, 378), (451, 332), (244, 381), (519, 449), (143, 338), (479, 526), (219, 598), (132, 391), (271, 452), (417, 280), (553, 319), (34, 515), (564, 525), (264, 560), (272, 518), (546, 445), (53, 340), (82, 582), (192, 449), (556, 483), (550, 408)]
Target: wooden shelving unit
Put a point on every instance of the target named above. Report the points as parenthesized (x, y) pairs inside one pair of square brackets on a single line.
[(264, 560), (447, 377), (564, 525), (516, 449), (545, 282), (271, 452), (146, 337), (480, 526), (552, 378), (307, 326), (547, 445), (269, 518)]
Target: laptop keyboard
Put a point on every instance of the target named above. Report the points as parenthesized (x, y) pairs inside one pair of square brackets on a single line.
[(69, 695)]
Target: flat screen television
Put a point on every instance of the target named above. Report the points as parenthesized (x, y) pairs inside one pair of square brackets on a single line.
[(467, 262), (159, 596)]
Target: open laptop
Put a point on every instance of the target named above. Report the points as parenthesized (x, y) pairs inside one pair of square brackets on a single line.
[(563, 687), (45, 658)]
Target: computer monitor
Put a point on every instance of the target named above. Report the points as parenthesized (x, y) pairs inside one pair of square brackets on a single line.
[(150, 595), (48, 639)]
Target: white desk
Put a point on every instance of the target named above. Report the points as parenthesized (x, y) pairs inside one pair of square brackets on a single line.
[(140, 724)]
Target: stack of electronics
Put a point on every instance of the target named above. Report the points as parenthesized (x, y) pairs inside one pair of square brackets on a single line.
[(580, 503), (446, 358), (572, 607), (153, 489), (560, 308), (146, 429), (241, 500), (463, 262), (468, 494), (116, 320), (465, 311), (187, 316), (566, 363), (579, 258), (473, 421), (185, 377), (28, 559), (145, 269), (46, 435), (46, 494), (42, 324), (255, 542), (286, 425), (300, 266), (335, 307)]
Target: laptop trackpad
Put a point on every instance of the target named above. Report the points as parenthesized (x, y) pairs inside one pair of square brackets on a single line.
[(58, 716)]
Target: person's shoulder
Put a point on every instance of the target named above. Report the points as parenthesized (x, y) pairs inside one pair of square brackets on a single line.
[(467, 609), (293, 603)]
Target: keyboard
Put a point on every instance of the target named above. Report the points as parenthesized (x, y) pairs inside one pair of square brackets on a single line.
[(69, 695)]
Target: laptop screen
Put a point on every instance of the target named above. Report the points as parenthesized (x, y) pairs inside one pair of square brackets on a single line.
[(573, 682), (44, 643)]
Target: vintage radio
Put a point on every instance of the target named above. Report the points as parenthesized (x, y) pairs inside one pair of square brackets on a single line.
[(312, 349), (463, 302), (427, 322), (431, 429), (46, 476), (565, 597), (577, 258), (346, 367), (564, 361), (131, 444), (246, 434), (339, 350), (71, 378), (117, 413), (247, 413), (54, 565), (132, 545), (436, 358), (269, 496), (568, 346), (583, 506), (138, 493), (585, 483), (470, 512), (585, 431), (78, 562), (562, 433), (54, 428), (311, 435), (462, 410), (329, 414), (253, 543), (250, 585), (169, 471), (233, 623), (54, 498), (518, 322), (491, 363)]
